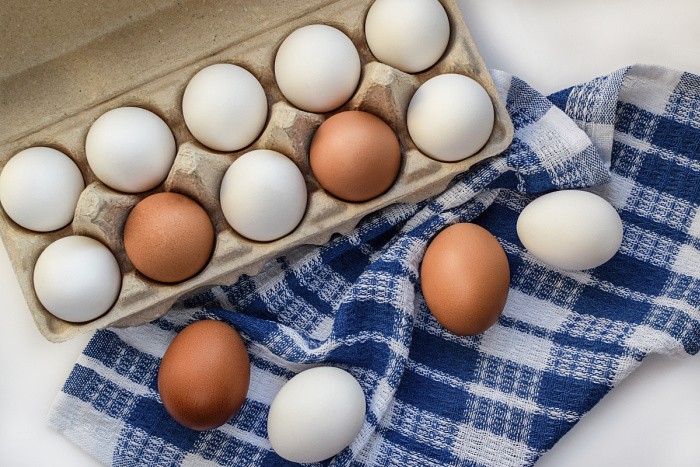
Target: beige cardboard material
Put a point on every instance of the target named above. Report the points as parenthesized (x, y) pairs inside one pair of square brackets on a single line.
[(55, 83)]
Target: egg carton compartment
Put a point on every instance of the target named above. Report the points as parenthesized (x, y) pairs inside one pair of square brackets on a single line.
[(197, 171)]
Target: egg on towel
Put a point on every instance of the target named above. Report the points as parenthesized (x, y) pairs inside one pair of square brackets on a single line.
[(204, 375), (465, 278), (570, 229), (316, 414)]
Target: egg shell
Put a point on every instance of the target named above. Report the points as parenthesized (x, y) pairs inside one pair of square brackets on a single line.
[(224, 107), (450, 117), (570, 229), (263, 195), (168, 237), (465, 278), (316, 414), (355, 156), (40, 188), (130, 149), (77, 278), (204, 375), (410, 35), (317, 68)]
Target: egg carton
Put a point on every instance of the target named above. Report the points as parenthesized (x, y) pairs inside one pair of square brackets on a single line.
[(249, 35)]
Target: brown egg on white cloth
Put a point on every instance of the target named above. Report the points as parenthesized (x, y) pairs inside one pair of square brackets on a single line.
[(465, 278), (204, 375)]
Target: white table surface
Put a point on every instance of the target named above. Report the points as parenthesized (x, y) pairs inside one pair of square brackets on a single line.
[(651, 419)]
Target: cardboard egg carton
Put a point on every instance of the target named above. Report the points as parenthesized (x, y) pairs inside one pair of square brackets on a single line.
[(147, 62)]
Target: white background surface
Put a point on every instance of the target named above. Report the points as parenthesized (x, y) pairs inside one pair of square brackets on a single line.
[(651, 419)]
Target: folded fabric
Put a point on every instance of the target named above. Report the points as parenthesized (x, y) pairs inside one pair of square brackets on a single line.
[(501, 398)]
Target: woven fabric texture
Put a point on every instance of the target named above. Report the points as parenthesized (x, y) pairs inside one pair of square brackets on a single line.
[(501, 398)]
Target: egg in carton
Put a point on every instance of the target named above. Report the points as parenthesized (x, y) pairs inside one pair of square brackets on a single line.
[(197, 171)]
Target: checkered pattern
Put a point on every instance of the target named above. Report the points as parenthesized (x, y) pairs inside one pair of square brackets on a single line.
[(499, 399)]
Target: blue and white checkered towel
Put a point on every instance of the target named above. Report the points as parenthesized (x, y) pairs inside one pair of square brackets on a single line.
[(501, 398)]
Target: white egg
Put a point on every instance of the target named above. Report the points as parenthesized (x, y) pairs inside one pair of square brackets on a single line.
[(40, 188), (77, 278), (263, 195), (130, 149), (450, 117), (570, 230), (410, 35), (316, 414), (224, 107), (317, 68)]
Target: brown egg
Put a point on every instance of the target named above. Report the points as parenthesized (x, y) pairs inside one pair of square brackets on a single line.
[(204, 376), (168, 237), (465, 278), (355, 156)]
